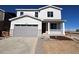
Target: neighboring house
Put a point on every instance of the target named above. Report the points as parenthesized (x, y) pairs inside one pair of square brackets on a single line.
[(4, 22), (2, 15), (8, 15), (34, 22)]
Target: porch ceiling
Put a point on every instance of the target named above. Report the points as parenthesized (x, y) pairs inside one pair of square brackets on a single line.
[(53, 20)]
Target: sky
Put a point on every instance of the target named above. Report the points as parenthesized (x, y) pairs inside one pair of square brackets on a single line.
[(70, 13)]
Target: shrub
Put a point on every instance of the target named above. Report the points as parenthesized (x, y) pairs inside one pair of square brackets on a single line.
[(77, 30)]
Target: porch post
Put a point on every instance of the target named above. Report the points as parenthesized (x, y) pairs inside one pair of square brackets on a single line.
[(48, 27), (63, 28)]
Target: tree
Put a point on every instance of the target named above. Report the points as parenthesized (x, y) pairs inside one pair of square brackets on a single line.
[(77, 30)]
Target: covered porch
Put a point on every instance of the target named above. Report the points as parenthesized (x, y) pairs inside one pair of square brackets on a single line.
[(53, 27)]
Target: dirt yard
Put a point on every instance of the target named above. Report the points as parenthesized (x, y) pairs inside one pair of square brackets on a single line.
[(61, 46), (57, 46)]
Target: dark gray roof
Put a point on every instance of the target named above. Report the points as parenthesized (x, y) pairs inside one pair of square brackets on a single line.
[(15, 18), (54, 20), (38, 9)]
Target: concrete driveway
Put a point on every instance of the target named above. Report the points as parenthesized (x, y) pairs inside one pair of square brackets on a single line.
[(18, 45)]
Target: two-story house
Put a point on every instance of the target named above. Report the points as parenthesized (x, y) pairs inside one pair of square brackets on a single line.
[(34, 22)]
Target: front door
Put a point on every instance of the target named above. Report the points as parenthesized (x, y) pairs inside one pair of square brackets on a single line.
[(44, 27)]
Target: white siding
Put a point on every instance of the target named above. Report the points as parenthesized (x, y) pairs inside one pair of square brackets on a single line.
[(56, 33), (42, 14), (56, 14), (30, 13), (26, 20)]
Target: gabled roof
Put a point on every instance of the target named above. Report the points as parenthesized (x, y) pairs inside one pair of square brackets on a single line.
[(51, 7), (40, 8), (27, 9), (2, 10), (15, 18)]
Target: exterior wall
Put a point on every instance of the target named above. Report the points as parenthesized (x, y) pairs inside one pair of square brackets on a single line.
[(56, 32), (30, 13), (56, 14), (2, 14), (58, 26), (11, 32), (42, 14), (25, 20)]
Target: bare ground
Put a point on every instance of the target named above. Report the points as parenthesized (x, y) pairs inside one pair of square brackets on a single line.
[(57, 46), (61, 46)]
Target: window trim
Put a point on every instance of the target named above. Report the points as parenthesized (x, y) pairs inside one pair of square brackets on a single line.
[(53, 26), (21, 13), (50, 14), (36, 14)]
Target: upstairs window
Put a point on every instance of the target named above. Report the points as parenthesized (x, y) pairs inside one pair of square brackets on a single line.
[(49, 14), (36, 14), (21, 13)]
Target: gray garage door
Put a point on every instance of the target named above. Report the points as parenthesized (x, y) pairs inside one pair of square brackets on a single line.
[(25, 30)]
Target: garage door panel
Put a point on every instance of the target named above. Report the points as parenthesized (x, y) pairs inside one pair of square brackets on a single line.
[(27, 31)]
